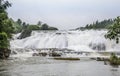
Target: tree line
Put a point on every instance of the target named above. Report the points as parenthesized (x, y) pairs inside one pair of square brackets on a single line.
[(98, 25), (21, 25)]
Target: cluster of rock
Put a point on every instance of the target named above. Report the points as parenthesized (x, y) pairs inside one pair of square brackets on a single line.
[(4, 53), (25, 33), (52, 54)]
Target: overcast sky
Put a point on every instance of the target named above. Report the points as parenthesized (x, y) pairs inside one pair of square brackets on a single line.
[(64, 14)]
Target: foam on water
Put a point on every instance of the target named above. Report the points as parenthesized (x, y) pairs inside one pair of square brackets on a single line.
[(89, 41)]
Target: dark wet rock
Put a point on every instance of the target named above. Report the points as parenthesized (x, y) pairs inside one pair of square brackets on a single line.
[(36, 54), (102, 59), (25, 33), (67, 58), (58, 33), (4, 53), (99, 46), (13, 52), (54, 54), (105, 62), (43, 54)]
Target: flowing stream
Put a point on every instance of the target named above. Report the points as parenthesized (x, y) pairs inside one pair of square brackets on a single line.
[(89, 41), (41, 66), (24, 64)]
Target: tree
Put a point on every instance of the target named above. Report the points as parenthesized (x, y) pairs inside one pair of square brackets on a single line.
[(114, 30), (44, 27), (5, 23), (4, 5), (4, 43), (16, 26), (24, 25), (99, 25), (19, 21), (28, 30), (52, 28), (114, 60), (5, 29), (39, 23)]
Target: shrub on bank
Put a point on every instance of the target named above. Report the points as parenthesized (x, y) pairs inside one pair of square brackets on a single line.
[(4, 44), (114, 60)]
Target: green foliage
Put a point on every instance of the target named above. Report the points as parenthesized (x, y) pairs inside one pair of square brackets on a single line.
[(114, 60), (98, 25), (33, 27), (24, 24), (44, 27), (8, 27), (19, 21), (52, 28), (4, 5), (16, 27), (4, 43), (5, 23), (28, 30), (39, 23), (20, 26), (114, 30)]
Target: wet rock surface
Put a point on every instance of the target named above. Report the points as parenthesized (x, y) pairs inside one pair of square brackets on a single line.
[(4, 53)]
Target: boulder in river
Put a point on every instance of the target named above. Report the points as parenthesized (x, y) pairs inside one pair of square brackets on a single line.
[(4, 53)]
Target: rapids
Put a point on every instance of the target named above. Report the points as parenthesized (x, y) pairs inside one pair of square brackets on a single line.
[(89, 40)]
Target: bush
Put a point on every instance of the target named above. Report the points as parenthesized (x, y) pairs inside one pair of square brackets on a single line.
[(114, 60), (4, 43), (33, 27)]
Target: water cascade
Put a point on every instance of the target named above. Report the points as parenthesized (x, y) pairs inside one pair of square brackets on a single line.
[(89, 41)]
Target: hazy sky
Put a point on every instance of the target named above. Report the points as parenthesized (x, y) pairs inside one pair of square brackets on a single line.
[(64, 14)]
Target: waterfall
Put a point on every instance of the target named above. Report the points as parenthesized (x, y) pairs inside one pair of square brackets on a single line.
[(88, 40)]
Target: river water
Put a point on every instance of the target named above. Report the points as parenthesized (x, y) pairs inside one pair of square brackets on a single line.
[(42, 66), (87, 41)]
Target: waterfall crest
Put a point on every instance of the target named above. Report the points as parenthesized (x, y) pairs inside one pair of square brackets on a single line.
[(89, 40)]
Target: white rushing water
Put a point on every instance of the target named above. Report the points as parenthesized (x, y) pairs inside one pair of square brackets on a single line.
[(89, 40)]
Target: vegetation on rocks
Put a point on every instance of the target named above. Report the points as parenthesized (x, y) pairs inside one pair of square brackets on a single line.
[(114, 31), (4, 46), (98, 25), (114, 60)]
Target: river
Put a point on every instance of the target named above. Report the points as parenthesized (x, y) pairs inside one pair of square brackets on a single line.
[(22, 63), (42, 66)]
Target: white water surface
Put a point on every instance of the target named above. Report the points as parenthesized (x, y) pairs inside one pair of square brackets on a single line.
[(79, 41), (76, 40)]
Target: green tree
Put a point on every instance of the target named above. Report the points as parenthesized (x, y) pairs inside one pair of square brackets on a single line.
[(16, 26), (6, 29), (24, 25), (4, 43), (19, 21), (52, 28), (114, 60), (39, 23), (114, 30), (99, 25), (5, 23), (44, 27)]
